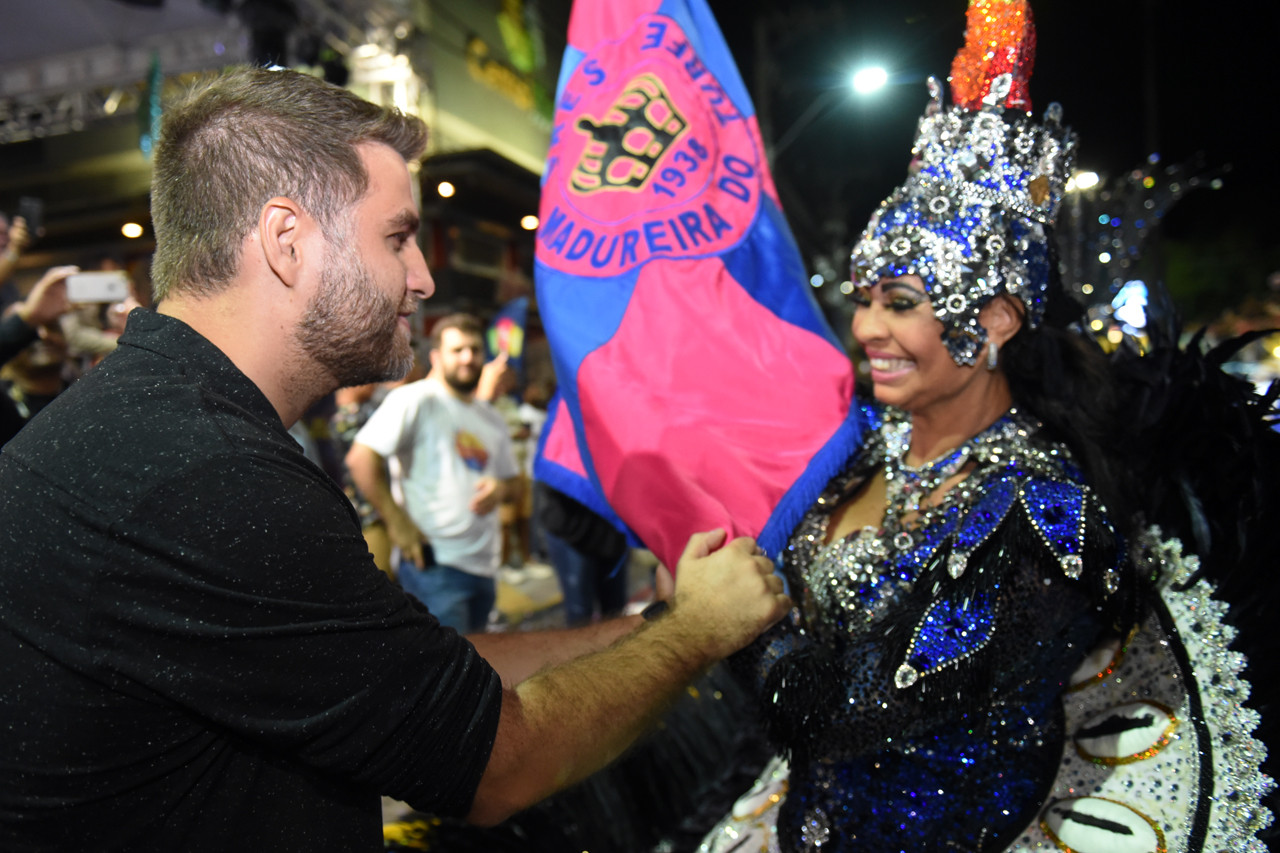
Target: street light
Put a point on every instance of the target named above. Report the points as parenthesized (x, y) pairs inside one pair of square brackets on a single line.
[(865, 82), (868, 80), (1082, 181)]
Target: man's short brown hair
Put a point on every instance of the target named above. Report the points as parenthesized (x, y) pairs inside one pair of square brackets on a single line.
[(468, 324), (249, 135)]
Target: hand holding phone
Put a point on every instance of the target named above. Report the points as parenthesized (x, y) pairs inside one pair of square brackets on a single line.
[(31, 210), (47, 301), (97, 286)]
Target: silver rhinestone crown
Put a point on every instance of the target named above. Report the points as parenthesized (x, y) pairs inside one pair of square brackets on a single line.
[(971, 217)]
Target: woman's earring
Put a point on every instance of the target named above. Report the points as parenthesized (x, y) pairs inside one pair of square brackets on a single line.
[(993, 356)]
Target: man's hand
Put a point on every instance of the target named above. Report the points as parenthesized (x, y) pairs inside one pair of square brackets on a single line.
[(405, 535), (47, 301), (566, 721), (497, 377), (664, 584), (486, 497), (19, 235), (368, 471), (725, 596)]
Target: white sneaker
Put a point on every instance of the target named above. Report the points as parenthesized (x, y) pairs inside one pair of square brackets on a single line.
[(538, 571)]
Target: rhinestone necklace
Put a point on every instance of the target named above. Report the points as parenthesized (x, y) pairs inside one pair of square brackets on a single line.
[(907, 487), (844, 578)]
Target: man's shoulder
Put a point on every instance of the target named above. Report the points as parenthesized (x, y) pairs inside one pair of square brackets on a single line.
[(133, 396), (419, 402), (422, 392), (137, 423), (153, 392), (142, 421), (487, 413)]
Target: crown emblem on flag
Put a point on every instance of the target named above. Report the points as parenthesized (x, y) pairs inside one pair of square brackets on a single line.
[(629, 140)]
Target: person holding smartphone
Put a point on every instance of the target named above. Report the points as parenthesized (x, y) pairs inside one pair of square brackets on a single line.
[(19, 328), (14, 237)]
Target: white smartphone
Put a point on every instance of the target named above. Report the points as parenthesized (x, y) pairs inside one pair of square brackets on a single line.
[(97, 286)]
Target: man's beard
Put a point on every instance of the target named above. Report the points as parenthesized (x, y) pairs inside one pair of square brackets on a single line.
[(462, 386), (351, 329)]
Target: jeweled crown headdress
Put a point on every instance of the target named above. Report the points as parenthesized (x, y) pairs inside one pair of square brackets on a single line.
[(984, 183)]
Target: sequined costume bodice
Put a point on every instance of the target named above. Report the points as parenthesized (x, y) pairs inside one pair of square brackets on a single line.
[(997, 671), (925, 658)]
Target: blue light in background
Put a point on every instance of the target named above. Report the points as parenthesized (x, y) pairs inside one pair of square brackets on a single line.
[(1130, 306)]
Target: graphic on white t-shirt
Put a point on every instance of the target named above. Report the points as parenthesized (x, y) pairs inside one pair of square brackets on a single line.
[(471, 449)]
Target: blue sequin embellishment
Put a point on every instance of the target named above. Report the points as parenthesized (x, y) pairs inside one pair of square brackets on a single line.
[(1056, 510), (981, 522), (987, 514), (907, 565), (950, 632)]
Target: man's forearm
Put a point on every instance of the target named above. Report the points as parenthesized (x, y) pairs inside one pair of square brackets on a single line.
[(8, 263), (368, 472), (569, 721), (509, 490), (518, 655)]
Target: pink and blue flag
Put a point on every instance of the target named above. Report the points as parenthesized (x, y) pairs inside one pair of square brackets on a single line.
[(700, 385), (506, 333)]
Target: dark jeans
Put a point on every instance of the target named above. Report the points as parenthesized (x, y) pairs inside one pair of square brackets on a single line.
[(458, 599), (586, 580)]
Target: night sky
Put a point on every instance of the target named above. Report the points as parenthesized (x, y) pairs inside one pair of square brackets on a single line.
[(1186, 80)]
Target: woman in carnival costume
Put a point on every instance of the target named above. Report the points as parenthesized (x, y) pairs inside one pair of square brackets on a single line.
[(993, 649)]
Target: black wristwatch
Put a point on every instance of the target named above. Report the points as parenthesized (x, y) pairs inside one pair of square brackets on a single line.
[(653, 611)]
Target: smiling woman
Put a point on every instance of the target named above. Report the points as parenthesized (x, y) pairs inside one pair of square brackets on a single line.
[(911, 369), (992, 649)]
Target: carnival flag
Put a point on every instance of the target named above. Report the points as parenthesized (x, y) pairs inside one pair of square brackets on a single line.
[(506, 334), (702, 384)]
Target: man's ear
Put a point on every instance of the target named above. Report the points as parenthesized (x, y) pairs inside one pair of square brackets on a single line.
[(281, 227), (1002, 318)]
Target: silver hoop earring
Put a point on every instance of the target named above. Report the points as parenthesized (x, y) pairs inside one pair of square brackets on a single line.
[(993, 356)]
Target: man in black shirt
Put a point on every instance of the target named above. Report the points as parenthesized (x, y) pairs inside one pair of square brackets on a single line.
[(197, 651)]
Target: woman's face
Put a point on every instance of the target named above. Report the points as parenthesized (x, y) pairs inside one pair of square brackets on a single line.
[(912, 369)]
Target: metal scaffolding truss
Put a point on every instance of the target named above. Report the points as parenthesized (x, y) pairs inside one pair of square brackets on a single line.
[(65, 93)]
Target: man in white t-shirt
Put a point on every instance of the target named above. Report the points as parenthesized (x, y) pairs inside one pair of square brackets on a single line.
[(456, 466)]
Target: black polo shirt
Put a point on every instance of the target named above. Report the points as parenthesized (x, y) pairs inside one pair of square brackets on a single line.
[(197, 651)]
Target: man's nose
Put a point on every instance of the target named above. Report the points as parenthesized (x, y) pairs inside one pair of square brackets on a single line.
[(419, 277)]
